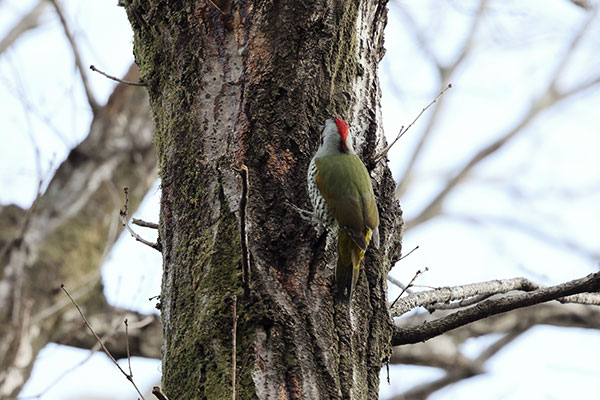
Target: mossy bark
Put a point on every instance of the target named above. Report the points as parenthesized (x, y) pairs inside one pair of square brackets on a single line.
[(249, 82)]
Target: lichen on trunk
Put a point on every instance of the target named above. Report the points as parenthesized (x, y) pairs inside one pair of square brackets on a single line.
[(248, 83)]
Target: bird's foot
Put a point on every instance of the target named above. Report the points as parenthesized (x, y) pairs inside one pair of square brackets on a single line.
[(305, 214)]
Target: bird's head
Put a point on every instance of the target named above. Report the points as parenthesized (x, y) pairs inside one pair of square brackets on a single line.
[(335, 137)]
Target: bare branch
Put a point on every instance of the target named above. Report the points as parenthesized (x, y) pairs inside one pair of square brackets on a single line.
[(387, 148), (145, 224), (86, 86), (396, 282), (445, 351), (447, 294), (553, 313), (127, 345), (410, 284), (409, 253), (106, 351), (414, 334), (114, 78), (30, 21), (123, 218), (549, 98)]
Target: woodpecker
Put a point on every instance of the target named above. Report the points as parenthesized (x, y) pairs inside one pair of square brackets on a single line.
[(342, 197)]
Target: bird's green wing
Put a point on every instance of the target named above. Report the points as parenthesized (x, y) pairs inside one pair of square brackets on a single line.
[(346, 186)]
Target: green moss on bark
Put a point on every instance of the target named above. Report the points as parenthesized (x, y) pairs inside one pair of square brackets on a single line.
[(204, 350)]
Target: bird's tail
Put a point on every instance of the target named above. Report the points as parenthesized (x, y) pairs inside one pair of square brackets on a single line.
[(348, 264)]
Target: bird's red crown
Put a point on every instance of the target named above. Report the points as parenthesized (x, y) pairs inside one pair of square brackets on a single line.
[(342, 128)]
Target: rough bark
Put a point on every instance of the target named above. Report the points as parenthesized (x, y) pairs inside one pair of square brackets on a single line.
[(68, 231), (249, 82)]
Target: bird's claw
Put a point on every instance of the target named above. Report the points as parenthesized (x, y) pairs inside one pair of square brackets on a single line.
[(304, 214)]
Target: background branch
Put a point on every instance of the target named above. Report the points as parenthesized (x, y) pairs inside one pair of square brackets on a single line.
[(29, 21), (414, 334), (78, 62), (550, 97)]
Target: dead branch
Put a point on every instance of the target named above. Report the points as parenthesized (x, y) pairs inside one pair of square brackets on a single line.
[(414, 334), (145, 224), (123, 217), (114, 78), (448, 294)]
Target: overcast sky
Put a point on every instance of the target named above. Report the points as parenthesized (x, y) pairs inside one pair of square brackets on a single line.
[(546, 178)]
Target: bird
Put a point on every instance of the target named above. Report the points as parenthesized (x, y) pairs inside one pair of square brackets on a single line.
[(341, 193)]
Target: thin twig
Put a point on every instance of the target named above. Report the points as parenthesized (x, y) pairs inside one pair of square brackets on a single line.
[(385, 150), (86, 86), (114, 78), (234, 348), (216, 6), (106, 351), (387, 369), (123, 218), (396, 282), (73, 368), (243, 171), (417, 274), (159, 394), (408, 254), (127, 346), (145, 224)]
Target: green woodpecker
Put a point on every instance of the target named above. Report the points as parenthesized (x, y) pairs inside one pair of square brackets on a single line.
[(342, 197)]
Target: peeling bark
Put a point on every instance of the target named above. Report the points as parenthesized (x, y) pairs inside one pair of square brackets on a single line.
[(246, 82)]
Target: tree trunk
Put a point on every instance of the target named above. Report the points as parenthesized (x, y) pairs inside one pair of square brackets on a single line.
[(249, 83)]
